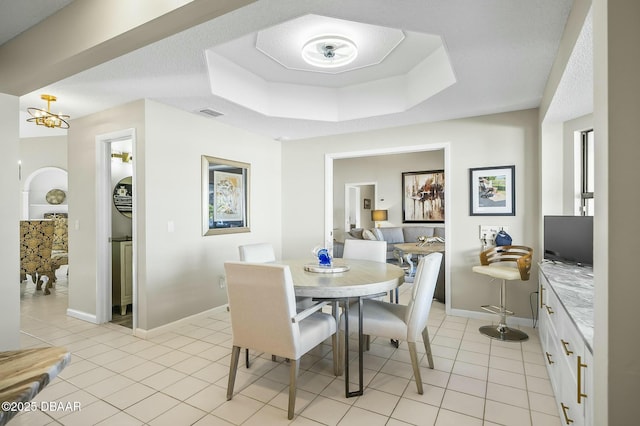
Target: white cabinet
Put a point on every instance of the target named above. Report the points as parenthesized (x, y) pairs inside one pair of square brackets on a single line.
[(569, 359), (122, 274)]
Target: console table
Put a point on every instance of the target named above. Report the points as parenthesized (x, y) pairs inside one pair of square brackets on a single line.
[(566, 336), (406, 250)]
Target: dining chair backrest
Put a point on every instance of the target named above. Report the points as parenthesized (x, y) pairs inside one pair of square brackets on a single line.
[(258, 253), (417, 312), (365, 250), (36, 242), (262, 304)]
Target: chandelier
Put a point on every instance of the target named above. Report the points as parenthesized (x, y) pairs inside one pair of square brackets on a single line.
[(47, 118)]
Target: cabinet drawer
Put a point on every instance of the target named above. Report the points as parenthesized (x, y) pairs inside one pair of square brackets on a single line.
[(569, 338)]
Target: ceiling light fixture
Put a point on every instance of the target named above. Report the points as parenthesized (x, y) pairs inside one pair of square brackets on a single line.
[(47, 118), (329, 51)]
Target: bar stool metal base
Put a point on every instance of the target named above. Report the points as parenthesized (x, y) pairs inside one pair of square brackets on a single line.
[(504, 333)]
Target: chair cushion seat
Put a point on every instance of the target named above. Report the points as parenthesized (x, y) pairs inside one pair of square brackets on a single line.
[(313, 330), (379, 319), (495, 271)]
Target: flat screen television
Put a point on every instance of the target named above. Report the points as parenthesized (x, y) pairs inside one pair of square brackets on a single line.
[(569, 239)]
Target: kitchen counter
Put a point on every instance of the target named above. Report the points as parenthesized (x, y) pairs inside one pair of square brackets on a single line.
[(26, 372), (574, 287)]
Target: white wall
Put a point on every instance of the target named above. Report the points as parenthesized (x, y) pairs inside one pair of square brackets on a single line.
[(183, 267), (42, 152), (494, 140), (616, 224), (82, 161), (178, 272), (10, 216)]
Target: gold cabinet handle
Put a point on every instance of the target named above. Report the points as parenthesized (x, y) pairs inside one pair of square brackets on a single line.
[(565, 345), (549, 360), (549, 310), (564, 411), (580, 367), (541, 298)]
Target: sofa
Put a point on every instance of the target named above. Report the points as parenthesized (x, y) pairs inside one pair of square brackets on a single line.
[(397, 235), (393, 235)]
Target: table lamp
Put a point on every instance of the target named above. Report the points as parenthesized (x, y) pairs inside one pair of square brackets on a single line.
[(378, 216)]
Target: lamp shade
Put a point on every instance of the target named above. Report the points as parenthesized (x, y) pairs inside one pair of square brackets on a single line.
[(378, 215)]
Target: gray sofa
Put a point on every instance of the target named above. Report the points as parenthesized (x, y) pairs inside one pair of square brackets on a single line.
[(392, 235), (397, 235)]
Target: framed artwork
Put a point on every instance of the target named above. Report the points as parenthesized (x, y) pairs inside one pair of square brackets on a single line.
[(225, 196), (423, 196), (492, 191), (367, 204)]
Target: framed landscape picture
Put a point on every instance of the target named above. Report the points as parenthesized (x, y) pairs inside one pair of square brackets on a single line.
[(492, 191), (423, 196)]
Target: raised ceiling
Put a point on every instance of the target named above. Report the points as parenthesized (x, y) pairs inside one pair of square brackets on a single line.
[(500, 54), (387, 70)]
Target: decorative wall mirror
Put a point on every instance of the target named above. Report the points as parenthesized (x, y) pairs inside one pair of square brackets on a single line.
[(225, 196), (123, 196)]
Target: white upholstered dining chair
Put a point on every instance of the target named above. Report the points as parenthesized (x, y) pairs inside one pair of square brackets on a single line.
[(365, 250), (258, 253), (402, 322), (264, 318), (375, 251)]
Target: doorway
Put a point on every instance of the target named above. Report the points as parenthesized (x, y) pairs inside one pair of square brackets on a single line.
[(359, 201), (116, 228), (383, 187)]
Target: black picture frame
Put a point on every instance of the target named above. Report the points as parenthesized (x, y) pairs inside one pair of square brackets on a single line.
[(423, 197), (366, 204), (492, 191)]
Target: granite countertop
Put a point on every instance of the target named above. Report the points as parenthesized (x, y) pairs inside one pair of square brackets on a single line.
[(26, 372), (574, 287)]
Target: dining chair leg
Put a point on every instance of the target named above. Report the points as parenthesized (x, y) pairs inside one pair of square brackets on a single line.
[(341, 359), (427, 346), (416, 366), (335, 341), (334, 350), (293, 376), (246, 357), (233, 368)]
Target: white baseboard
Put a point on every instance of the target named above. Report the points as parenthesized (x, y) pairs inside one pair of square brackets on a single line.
[(82, 316), (490, 318), (148, 334)]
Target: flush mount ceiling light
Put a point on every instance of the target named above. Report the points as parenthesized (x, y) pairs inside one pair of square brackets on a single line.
[(329, 51), (47, 118)]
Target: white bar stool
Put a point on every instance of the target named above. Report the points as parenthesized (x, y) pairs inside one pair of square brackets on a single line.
[(518, 268)]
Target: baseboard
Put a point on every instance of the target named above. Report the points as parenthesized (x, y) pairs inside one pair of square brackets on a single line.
[(151, 333), (491, 318), (82, 316)]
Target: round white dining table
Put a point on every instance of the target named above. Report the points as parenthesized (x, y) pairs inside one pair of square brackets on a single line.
[(364, 278)]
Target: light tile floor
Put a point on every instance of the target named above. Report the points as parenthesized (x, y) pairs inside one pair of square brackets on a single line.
[(180, 377)]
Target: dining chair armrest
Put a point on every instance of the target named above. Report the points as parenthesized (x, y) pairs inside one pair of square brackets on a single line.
[(309, 311)]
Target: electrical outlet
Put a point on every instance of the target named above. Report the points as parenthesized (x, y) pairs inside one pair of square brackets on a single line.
[(222, 282), (488, 232)]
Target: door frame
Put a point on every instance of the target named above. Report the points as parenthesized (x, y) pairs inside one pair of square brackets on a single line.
[(104, 199), (450, 202)]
